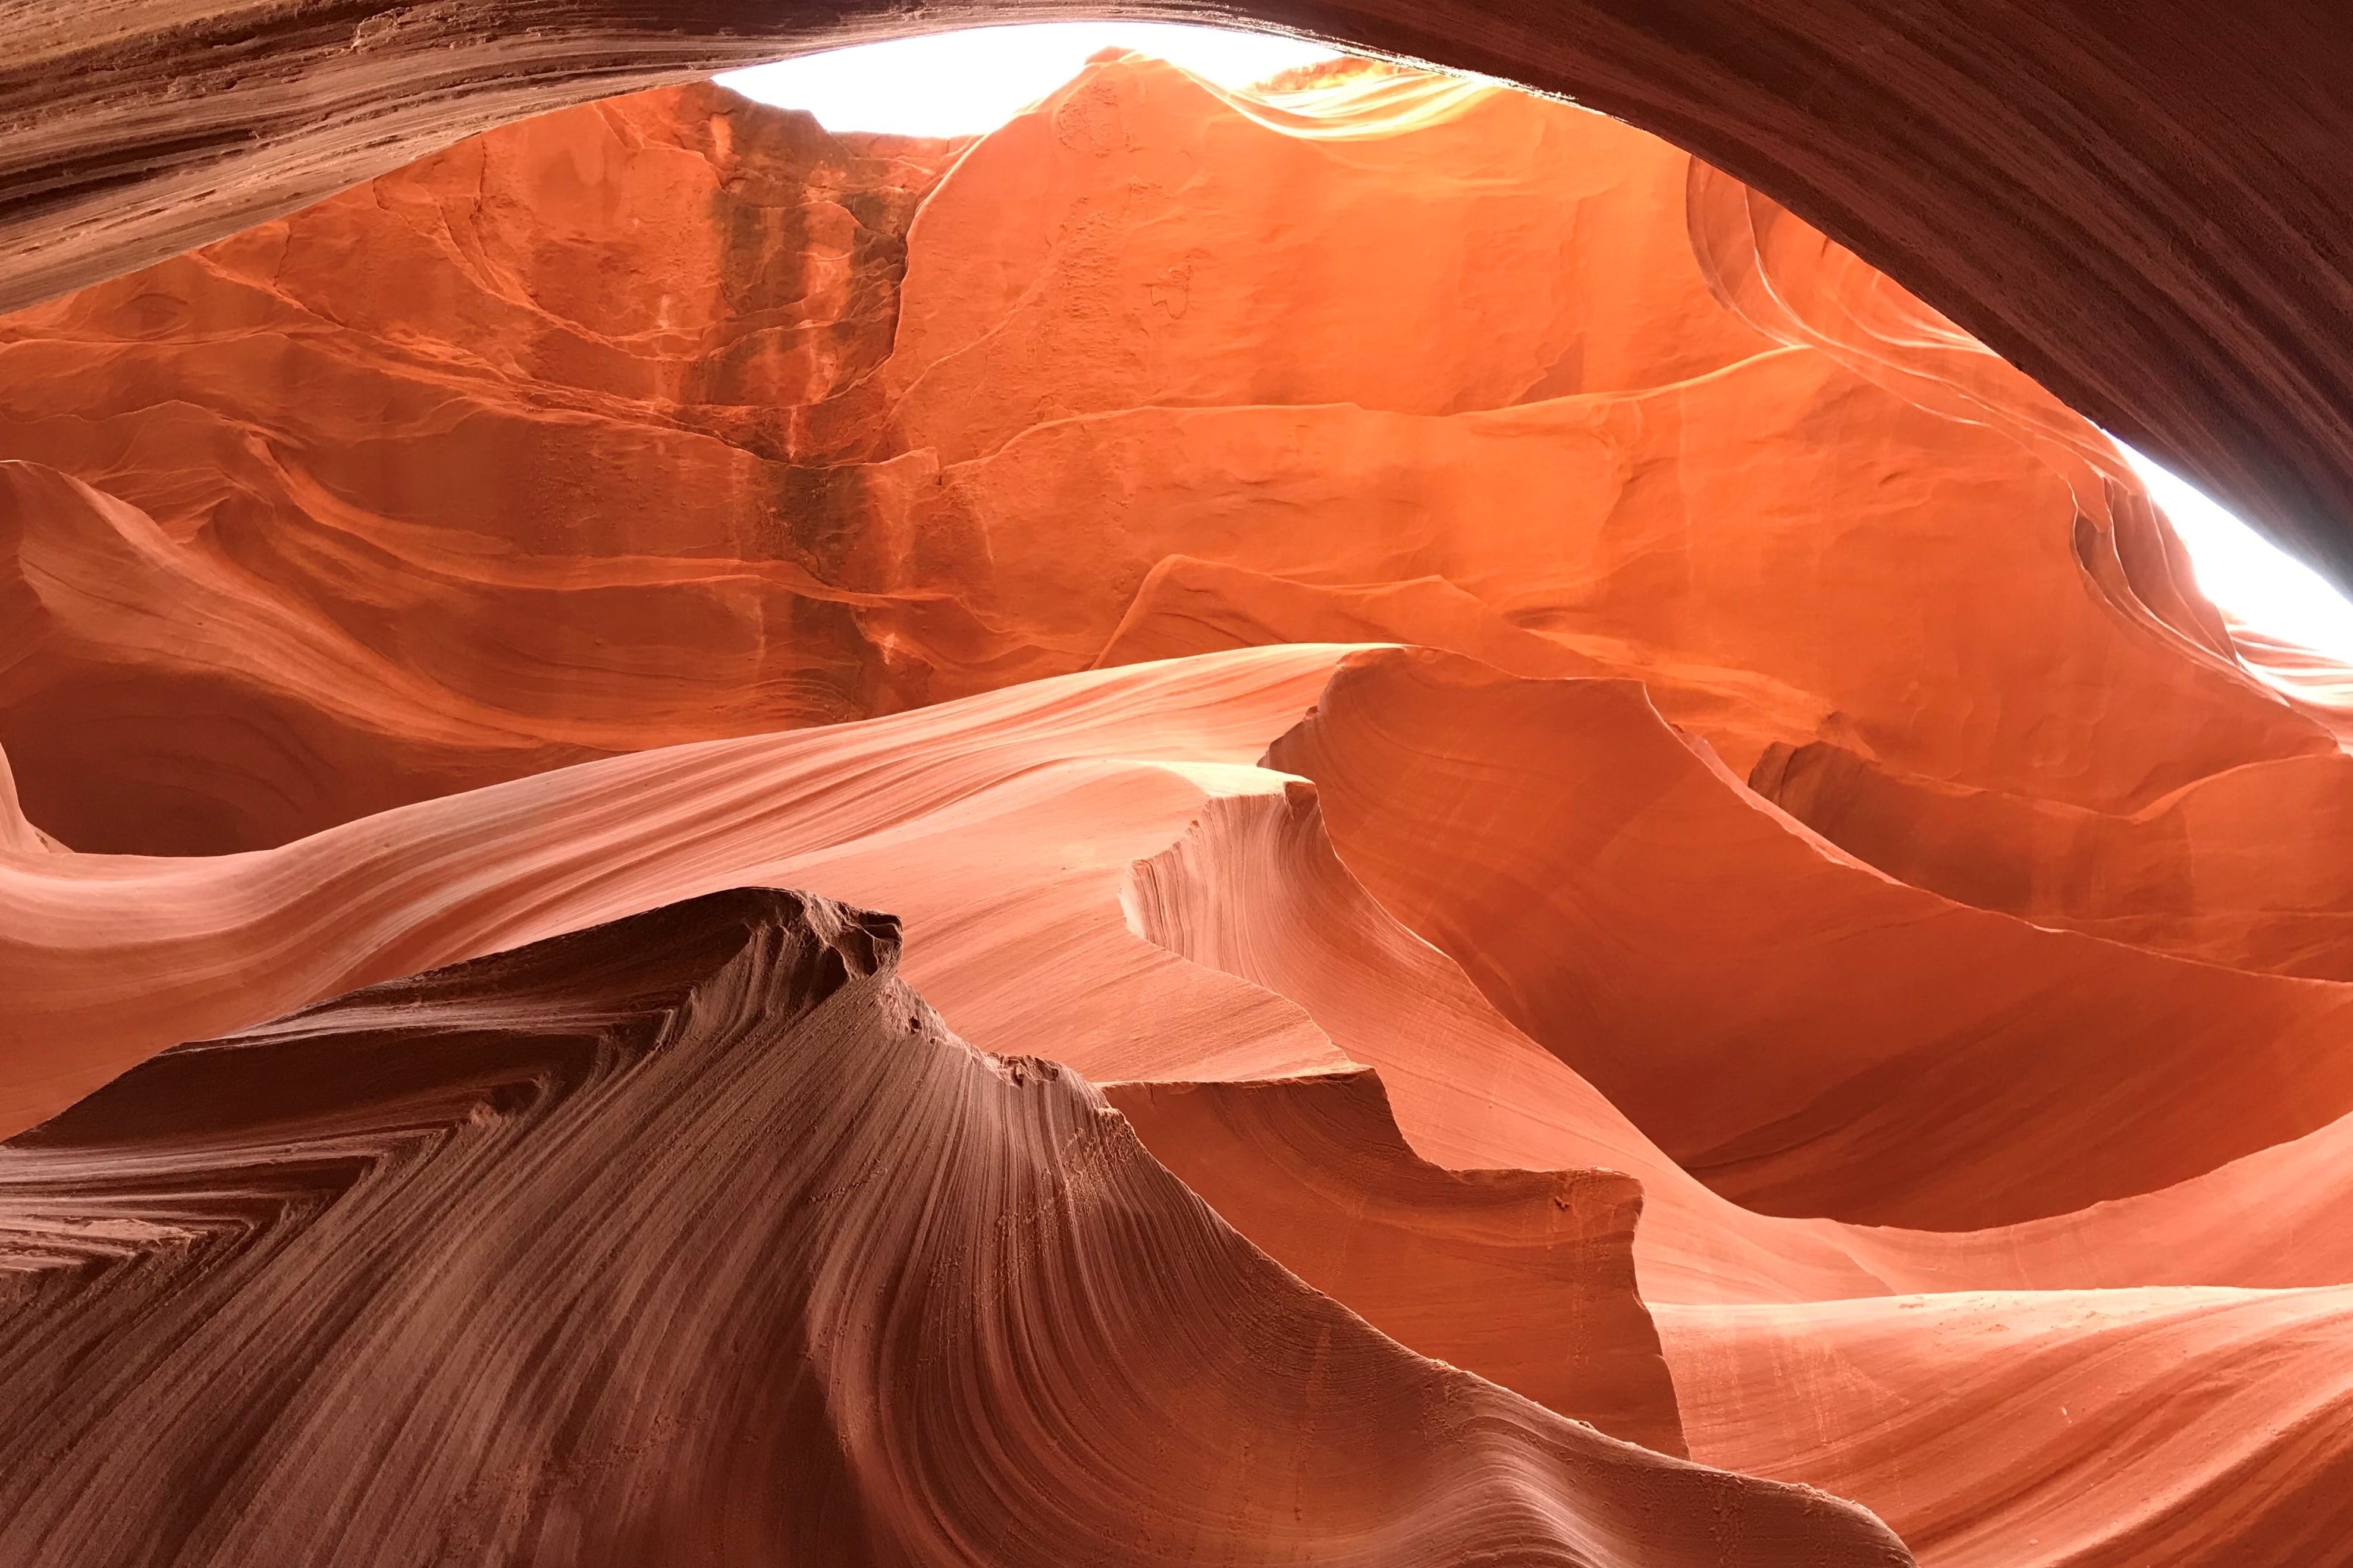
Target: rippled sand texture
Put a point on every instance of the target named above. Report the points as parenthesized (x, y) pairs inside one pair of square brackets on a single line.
[(1613, 900)]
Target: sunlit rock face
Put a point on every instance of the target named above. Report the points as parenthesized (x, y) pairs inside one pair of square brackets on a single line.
[(1671, 889), (671, 418), (477, 470)]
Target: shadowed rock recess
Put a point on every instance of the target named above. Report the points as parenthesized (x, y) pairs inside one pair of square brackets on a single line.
[(1614, 899)]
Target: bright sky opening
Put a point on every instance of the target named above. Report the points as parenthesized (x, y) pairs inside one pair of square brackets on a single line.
[(969, 82), (2246, 575)]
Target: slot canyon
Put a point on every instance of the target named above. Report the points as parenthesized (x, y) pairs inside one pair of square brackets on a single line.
[(1358, 821)]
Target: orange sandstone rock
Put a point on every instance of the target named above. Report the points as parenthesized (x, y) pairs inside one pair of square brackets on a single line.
[(666, 497), (759, 1262), (1804, 1033), (1314, 1171), (676, 417)]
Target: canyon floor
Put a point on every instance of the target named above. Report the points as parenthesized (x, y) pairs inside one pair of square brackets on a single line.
[(1360, 824)]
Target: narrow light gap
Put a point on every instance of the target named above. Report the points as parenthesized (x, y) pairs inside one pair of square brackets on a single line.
[(970, 82), (2251, 580)]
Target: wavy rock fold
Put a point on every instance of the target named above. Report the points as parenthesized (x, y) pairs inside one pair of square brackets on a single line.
[(712, 1241), (1615, 900)]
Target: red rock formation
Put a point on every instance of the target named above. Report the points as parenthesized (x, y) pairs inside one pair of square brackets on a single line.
[(1255, 891), (1315, 1172), (2204, 871), (760, 1263), (593, 434), (666, 498), (2103, 1426), (2116, 1426), (1796, 1028), (2139, 206), (153, 686), (411, 412), (1033, 865), (1058, 785), (499, 443), (1178, 248)]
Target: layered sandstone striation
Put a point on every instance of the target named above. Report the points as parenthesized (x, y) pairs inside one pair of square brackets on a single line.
[(760, 1263), (1681, 911), (1017, 828)]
